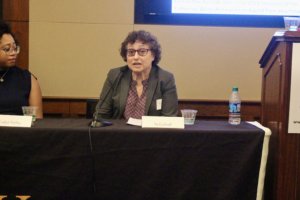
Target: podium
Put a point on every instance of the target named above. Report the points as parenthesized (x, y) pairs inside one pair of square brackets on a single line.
[(282, 180)]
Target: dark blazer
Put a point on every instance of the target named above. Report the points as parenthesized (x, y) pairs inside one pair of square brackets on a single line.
[(115, 90)]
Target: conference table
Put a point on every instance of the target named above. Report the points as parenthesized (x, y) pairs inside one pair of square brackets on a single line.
[(66, 159)]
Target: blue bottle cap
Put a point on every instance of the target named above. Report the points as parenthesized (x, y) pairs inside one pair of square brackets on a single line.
[(235, 89)]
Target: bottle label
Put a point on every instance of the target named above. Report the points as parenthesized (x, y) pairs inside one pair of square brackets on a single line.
[(234, 107)]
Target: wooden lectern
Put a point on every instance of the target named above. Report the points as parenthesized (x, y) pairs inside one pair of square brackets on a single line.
[(282, 180)]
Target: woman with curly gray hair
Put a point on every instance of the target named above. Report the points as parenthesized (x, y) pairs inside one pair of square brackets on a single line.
[(141, 87)]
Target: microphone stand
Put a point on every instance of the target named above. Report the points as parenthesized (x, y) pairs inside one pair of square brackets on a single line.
[(101, 122)]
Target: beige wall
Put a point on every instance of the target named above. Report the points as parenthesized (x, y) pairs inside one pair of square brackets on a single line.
[(73, 44)]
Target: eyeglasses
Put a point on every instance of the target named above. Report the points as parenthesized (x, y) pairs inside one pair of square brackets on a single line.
[(10, 50), (141, 52)]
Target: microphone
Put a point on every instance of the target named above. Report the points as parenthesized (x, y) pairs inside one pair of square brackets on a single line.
[(101, 122)]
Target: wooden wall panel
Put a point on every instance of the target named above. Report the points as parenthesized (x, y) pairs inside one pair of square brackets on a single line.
[(218, 109), (64, 107), (207, 109), (21, 31), (16, 10), (16, 13), (78, 108)]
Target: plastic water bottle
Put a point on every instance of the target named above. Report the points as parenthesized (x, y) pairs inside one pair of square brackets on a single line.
[(234, 107)]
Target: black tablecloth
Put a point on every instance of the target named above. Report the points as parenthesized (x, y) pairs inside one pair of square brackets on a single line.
[(65, 159)]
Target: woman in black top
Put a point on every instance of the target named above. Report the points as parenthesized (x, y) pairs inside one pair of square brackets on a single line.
[(18, 87)]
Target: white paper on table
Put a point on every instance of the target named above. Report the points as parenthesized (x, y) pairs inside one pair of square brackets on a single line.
[(134, 122)]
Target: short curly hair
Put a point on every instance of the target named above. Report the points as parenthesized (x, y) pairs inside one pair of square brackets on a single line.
[(5, 29), (144, 37)]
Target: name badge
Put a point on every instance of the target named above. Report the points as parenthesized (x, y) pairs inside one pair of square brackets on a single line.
[(158, 104)]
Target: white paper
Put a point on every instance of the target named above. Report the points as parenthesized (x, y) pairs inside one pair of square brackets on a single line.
[(162, 122), (134, 122), (15, 121), (294, 113)]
